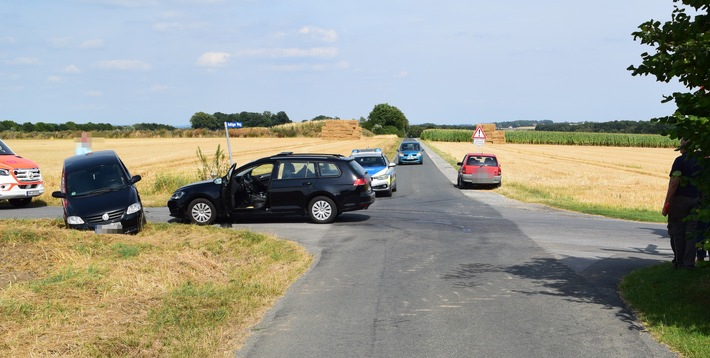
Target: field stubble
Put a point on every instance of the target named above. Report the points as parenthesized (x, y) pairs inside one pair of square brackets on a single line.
[(628, 178), (152, 157)]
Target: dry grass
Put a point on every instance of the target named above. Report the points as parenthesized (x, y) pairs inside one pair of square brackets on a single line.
[(152, 157), (631, 178), (172, 290)]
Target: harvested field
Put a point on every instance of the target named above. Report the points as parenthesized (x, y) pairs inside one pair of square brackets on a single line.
[(634, 178), (150, 157)]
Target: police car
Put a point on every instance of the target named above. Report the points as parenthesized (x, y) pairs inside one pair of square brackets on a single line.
[(381, 170)]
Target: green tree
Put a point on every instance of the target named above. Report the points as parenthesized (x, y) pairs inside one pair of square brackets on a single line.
[(682, 53), (382, 116), (204, 120)]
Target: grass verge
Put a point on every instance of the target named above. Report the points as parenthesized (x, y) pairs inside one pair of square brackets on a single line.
[(673, 305), (172, 290)]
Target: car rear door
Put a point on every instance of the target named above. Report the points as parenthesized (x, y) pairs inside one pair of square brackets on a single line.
[(292, 185)]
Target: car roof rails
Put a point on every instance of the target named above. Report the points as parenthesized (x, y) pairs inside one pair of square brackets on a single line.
[(292, 154)]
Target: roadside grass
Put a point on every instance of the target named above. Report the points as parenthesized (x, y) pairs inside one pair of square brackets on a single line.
[(560, 197), (673, 305), (172, 290)]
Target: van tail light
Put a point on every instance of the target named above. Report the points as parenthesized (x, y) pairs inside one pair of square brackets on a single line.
[(360, 181)]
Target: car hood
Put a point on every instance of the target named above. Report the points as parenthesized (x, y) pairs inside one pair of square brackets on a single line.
[(198, 185), (16, 162), (374, 170), (103, 202)]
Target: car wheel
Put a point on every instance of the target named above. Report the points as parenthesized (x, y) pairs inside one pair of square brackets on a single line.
[(460, 183), (322, 210), (202, 212), (389, 192), (20, 203), (395, 186)]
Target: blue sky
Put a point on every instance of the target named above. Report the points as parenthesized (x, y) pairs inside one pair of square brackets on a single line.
[(446, 61)]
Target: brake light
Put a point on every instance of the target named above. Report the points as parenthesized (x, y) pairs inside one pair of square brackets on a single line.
[(360, 181)]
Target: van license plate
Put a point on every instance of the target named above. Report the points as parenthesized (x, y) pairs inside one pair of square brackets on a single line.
[(112, 228), (32, 193)]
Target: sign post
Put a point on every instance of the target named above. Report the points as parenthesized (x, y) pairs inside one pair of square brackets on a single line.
[(479, 138), (228, 125)]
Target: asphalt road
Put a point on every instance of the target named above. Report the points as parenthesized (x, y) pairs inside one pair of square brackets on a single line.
[(435, 271)]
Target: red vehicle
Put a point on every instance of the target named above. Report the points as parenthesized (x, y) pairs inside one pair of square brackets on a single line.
[(479, 169), (20, 179)]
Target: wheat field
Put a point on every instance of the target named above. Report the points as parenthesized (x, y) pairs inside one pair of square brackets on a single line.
[(634, 178), (150, 157)]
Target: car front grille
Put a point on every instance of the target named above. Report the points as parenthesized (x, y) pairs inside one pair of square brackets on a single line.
[(112, 216), (26, 175)]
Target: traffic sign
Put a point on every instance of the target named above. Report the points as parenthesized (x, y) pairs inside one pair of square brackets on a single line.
[(233, 124), (478, 134), (479, 137)]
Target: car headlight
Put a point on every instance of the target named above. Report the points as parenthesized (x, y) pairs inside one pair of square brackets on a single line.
[(4, 172), (177, 195), (401, 154), (74, 220), (134, 208), (382, 177), (418, 154)]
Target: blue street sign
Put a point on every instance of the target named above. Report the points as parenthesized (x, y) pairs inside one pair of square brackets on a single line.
[(234, 124)]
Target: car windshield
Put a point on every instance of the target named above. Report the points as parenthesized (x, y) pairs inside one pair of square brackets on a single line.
[(410, 146), (5, 150), (371, 161), (95, 180)]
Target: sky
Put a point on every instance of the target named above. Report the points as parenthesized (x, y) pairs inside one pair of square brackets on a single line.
[(446, 61)]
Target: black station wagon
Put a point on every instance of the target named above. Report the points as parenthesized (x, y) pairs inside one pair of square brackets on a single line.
[(321, 186)]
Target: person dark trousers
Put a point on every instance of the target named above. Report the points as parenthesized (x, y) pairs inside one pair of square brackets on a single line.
[(682, 231), (682, 198)]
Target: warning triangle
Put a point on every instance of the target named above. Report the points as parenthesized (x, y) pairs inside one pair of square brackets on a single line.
[(478, 134)]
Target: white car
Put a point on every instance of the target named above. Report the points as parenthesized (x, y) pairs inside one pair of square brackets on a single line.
[(381, 170)]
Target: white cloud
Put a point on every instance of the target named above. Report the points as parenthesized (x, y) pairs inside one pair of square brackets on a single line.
[(402, 74), (124, 65), (93, 43), (175, 25), (319, 34), (158, 88), (69, 42), (213, 59), (54, 79), (323, 66), (71, 69), (23, 61), (94, 93), (316, 52)]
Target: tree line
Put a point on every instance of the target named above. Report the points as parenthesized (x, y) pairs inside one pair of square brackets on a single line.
[(12, 126), (248, 119)]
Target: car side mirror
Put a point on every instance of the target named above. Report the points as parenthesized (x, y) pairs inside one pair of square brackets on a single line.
[(392, 164), (135, 179), (58, 194), (459, 163)]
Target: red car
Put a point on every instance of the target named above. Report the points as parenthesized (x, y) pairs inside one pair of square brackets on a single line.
[(479, 169)]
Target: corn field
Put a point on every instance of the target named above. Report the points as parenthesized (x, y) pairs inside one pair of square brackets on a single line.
[(559, 138)]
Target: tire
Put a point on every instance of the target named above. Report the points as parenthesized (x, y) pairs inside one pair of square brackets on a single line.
[(460, 183), (201, 212), (20, 203), (322, 210), (389, 192)]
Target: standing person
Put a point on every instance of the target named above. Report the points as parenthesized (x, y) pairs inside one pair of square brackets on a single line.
[(681, 198)]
